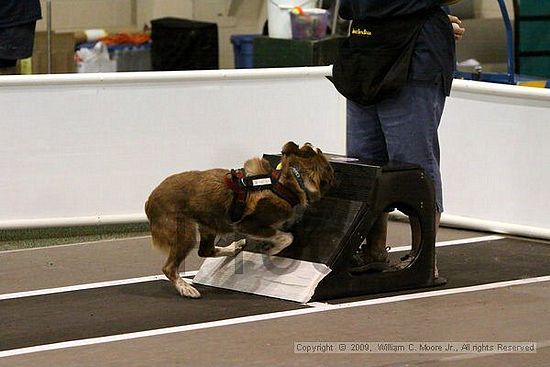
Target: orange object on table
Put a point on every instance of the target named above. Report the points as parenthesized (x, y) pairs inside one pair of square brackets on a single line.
[(117, 39)]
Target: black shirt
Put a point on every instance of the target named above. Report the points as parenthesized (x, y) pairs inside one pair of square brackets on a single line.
[(17, 12)]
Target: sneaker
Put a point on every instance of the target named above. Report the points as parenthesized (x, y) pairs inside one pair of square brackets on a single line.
[(363, 262), (405, 261)]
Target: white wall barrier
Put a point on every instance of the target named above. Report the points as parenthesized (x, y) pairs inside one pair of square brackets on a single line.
[(495, 143), (84, 149)]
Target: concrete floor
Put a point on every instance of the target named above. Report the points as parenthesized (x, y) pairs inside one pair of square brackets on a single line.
[(513, 314)]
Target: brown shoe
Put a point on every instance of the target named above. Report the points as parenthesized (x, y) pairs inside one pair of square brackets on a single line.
[(364, 262)]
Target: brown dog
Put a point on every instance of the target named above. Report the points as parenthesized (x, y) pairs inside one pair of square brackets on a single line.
[(191, 208)]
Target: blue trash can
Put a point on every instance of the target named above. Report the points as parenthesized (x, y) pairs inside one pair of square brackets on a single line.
[(243, 48)]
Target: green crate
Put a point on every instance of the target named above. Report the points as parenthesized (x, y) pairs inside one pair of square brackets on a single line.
[(536, 66), (532, 27), (535, 35), (534, 7), (279, 52)]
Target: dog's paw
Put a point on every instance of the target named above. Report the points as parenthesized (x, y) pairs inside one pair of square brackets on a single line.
[(186, 289), (266, 246), (280, 242), (274, 250), (284, 239), (238, 246), (231, 250)]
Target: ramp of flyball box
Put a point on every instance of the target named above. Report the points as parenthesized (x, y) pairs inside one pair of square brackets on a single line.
[(294, 273)]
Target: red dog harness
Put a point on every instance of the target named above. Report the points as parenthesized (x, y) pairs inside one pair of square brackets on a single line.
[(241, 185)]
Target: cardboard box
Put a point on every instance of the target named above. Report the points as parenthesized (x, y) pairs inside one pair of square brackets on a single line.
[(63, 45)]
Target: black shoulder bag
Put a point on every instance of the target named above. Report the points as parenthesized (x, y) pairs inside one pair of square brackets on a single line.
[(373, 62)]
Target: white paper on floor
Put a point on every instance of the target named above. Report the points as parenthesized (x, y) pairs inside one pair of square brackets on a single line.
[(272, 276)]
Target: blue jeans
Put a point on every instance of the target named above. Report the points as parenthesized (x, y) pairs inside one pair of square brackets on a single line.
[(401, 128)]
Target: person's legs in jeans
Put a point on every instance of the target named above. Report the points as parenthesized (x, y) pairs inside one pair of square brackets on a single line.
[(410, 122), (402, 128), (365, 140)]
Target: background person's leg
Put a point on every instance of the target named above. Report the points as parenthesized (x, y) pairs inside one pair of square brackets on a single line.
[(8, 67), (16, 43)]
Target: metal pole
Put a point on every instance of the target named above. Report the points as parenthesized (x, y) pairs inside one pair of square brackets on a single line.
[(49, 33), (509, 42), (334, 24)]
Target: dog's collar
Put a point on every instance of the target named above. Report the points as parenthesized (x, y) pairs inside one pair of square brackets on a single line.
[(298, 178), (282, 191), (240, 184), (297, 175)]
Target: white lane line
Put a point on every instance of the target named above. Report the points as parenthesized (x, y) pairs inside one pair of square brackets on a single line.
[(40, 292), (71, 288), (268, 316), (463, 241)]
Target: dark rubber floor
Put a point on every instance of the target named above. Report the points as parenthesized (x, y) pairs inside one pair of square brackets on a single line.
[(481, 263), (39, 320)]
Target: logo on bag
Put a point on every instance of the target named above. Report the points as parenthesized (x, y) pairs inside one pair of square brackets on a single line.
[(361, 32)]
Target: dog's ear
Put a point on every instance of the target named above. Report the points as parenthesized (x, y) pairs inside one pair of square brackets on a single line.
[(290, 148), (307, 151)]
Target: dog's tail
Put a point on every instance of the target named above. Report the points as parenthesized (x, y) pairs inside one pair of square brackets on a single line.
[(148, 211), (154, 241)]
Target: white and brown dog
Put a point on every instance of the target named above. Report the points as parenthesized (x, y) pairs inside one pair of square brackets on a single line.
[(193, 207)]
